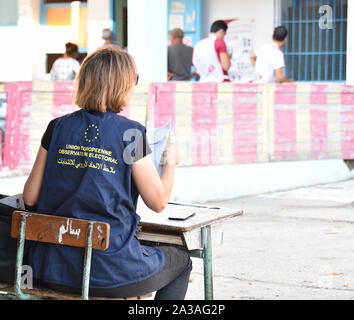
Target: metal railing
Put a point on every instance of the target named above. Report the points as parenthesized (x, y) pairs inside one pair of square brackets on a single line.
[(316, 46)]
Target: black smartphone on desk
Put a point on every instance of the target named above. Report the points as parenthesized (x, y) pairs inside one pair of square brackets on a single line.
[(181, 216)]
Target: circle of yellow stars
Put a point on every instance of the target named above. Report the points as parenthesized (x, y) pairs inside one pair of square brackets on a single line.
[(95, 136)]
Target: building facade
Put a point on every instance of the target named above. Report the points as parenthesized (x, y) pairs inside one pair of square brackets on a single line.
[(34, 32)]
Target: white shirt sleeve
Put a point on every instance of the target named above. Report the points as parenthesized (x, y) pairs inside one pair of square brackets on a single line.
[(256, 52), (53, 71), (76, 67), (277, 60)]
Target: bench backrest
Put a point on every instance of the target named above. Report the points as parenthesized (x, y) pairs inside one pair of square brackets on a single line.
[(61, 230)]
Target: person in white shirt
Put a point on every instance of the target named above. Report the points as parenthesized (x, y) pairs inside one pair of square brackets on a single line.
[(211, 59), (67, 67), (269, 59)]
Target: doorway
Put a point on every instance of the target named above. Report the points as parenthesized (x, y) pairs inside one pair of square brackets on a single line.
[(120, 20)]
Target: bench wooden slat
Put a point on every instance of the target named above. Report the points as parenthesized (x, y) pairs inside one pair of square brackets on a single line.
[(61, 230), (46, 293)]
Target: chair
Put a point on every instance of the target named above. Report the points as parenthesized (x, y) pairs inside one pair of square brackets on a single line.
[(61, 231)]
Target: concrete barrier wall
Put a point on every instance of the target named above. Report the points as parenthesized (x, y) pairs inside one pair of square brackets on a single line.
[(311, 121), (218, 124), (31, 106), (215, 124)]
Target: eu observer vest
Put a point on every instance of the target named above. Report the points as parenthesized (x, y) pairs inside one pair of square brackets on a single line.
[(88, 175)]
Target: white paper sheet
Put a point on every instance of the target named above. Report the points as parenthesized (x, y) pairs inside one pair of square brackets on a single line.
[(159, 139), (15, 201)]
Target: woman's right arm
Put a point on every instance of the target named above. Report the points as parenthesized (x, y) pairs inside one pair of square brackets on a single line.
[(155, 191)]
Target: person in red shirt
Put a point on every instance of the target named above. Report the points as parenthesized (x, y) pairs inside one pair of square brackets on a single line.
[(219, 29), (210, 57)]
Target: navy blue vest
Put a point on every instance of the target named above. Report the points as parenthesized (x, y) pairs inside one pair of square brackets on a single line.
[(89, 176)]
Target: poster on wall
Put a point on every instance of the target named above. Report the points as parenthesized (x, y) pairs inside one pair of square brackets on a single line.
[(186, 15), (240, 42)]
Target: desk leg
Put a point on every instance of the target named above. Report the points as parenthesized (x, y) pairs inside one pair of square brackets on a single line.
[(208, 265)]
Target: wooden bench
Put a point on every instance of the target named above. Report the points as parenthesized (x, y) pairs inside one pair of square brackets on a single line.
[(61, 231)]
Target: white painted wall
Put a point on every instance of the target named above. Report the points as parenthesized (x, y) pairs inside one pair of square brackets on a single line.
[(216, 183), (99, 18), (19, 44), (147, 38), (260, 10), (350, 43)]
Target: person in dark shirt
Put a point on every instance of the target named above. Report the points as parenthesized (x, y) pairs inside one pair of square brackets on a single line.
[(179, 57)]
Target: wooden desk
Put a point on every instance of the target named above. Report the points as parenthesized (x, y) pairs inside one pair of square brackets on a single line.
[(194, 234)]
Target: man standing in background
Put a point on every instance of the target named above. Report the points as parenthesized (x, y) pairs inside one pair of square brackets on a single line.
[(179, 57), (210, 58), (269, 59), (108, 38)]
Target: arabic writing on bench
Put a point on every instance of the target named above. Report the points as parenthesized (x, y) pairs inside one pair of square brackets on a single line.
[(63, 230)]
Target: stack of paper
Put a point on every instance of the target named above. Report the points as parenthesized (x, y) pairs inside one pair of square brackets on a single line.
[(15, 201)]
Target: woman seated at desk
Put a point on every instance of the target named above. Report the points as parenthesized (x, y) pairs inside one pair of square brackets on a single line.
[(93, 164)]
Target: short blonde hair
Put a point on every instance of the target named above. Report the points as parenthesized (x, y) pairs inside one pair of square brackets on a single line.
[(105, 78)]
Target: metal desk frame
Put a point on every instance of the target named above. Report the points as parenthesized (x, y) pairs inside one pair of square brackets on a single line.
[(206, 255), (203, 250)]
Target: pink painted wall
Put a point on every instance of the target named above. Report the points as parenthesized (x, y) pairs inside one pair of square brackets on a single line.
[(259, 122), (245, 118)]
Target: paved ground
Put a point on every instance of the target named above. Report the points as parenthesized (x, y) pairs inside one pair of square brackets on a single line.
[(296, 244)]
